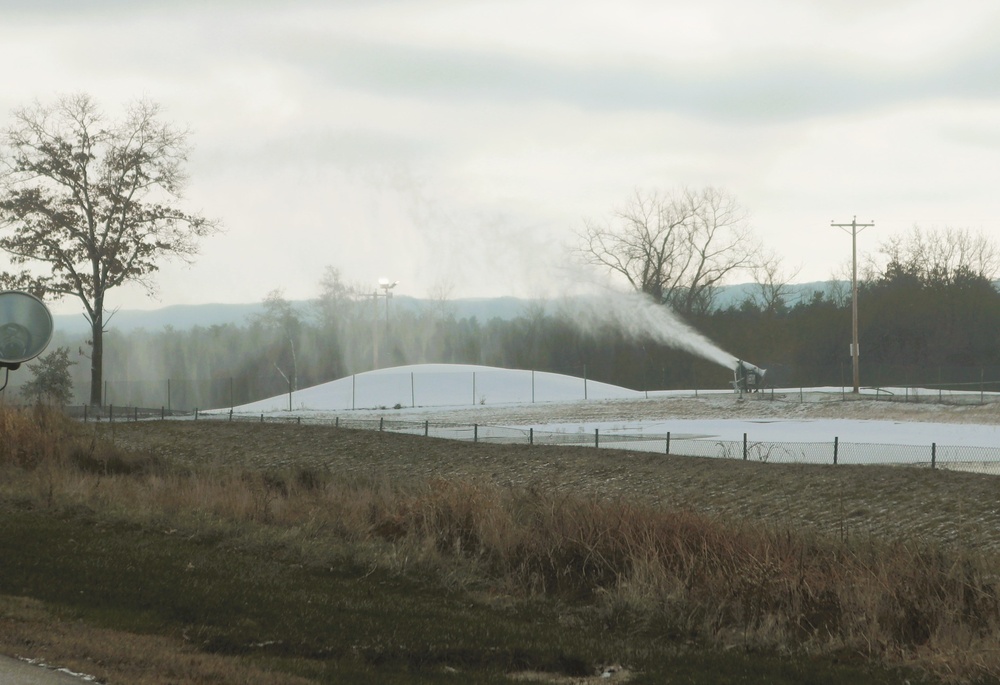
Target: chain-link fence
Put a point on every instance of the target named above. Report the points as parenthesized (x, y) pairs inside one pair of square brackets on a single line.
[(984, 460)]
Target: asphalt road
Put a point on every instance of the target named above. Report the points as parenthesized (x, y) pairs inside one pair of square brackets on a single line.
[(15, 672)]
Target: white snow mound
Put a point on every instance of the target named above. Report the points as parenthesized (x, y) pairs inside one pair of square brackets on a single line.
[(440, 385)]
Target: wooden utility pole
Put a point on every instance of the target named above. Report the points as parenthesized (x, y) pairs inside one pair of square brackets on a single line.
[(386, 287), (855, 228)]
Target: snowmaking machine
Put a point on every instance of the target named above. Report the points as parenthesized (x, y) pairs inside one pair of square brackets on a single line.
[(747, 377)]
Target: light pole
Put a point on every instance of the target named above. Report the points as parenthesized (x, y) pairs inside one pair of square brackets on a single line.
[(386, 287), (855, 229)]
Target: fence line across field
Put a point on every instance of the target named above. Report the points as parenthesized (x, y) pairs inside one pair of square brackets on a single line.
[(985, 460), (407, 389)]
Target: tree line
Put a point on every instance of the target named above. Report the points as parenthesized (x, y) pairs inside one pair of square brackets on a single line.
[(919, 325), (88, 203)]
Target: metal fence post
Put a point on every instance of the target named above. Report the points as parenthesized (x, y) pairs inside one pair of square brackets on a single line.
[(597, 440), (933, 455), (475, 432), (744, 447), (427, 428), (668, 443), (836, 441), (531, 436)]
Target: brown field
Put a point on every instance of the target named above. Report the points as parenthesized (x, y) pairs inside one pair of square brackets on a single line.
[(856, 505), (895, 502)]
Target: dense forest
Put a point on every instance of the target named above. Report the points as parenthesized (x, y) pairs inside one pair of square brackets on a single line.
[(918, 325)]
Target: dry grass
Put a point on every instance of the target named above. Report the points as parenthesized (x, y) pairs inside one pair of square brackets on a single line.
[(678, 571), (694, 577)]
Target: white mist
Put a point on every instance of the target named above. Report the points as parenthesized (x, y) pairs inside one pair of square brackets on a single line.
[(636, 315)]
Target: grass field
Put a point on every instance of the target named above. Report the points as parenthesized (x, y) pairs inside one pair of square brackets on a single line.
[(205, 552)]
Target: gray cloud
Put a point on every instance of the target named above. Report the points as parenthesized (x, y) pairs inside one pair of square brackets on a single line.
[(762, 87), (475, 158), (771, 89)]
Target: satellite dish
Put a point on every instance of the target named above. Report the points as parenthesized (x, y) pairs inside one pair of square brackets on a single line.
[(25, 327)]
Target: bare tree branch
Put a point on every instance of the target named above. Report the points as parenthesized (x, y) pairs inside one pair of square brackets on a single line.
[(771, 282), (677, 248)]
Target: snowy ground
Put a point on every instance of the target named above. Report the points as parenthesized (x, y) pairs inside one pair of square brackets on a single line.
[(554, 403)]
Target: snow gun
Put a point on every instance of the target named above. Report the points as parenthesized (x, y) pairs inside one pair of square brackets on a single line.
[(747, 377)]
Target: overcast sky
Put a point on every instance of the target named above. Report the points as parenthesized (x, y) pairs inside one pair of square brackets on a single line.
[(459, 146)]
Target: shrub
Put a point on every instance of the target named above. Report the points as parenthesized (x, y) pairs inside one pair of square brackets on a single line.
[(51, 382)]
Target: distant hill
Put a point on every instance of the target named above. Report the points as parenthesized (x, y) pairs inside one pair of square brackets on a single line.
[(178, 316), (205, 315), (184, 317), (734, 295)]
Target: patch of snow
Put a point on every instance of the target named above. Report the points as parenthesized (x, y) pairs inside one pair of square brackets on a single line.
[(556, 403)]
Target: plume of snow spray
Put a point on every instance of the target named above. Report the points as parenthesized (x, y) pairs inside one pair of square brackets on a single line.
[(638, 316)]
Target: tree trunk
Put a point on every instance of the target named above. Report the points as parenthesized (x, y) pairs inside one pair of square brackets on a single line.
[(97, 358)]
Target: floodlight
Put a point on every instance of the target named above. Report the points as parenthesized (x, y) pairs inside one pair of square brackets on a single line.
[(25, 327)]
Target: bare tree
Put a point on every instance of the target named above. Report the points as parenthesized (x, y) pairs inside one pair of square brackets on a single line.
[(838, 287), (337, 299), (677, 248), (440, 296), (93, 201), (281, 316), (771, 282), (943, 253), (342, 310)]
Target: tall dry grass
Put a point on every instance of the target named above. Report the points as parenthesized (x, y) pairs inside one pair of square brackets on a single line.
[(693, 577), (32, 437), (673, 573)]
